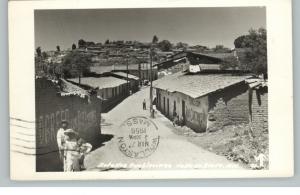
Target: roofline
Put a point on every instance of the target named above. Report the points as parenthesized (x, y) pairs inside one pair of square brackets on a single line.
[(187, 52), (90, 86), (203, 94)]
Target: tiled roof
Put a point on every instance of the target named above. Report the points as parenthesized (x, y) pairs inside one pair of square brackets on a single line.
[(100, 82), (123, 74), (68, 88), (197, 85)]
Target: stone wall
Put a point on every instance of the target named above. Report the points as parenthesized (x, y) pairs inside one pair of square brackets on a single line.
[(259, 110), (229, 106)]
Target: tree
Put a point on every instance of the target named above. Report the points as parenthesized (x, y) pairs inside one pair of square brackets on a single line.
[(106, 42), (81, 43), (255, 43), (240, 43), (181, 45), (73, 46), (221, 49), (155, 39), (165, 45), (38, 51), (44, 55), (58, 48), (229, 63), (89, 43), (76, 64)]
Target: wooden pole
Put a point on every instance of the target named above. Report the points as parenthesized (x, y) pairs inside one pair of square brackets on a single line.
[(151, 90), (127, 74)]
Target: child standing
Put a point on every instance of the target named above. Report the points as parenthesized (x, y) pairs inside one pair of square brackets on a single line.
[(72, 154), (84, 149)]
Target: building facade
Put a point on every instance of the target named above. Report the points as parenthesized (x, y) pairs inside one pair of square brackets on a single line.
[(110, 89), (134, 81), (57, 101), (204, 102)]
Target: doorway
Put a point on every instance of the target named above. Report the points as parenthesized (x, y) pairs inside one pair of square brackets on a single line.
[(164, 105), (168, 108), (183, 112)]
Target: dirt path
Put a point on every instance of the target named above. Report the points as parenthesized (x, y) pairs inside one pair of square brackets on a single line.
[(174, 151)]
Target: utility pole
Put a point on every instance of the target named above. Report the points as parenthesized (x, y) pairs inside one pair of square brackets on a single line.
[(151, 89), (139, 67), (127, 74), (79, 76)]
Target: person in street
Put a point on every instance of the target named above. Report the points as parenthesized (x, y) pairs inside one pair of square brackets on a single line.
[(260, 159), (257, 162), (71, 151), (175, 119), (61, 139), (144, 104), (76, 149)]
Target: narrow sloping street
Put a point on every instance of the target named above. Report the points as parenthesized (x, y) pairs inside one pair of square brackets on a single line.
[(173, 149)]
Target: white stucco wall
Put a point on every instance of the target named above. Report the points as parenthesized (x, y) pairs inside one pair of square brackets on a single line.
[(195, 109)]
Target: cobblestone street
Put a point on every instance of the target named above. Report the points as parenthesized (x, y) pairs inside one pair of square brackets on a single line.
[(174, 151)]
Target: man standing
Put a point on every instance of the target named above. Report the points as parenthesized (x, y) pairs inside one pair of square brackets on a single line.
[(144, 104), (61, 139)]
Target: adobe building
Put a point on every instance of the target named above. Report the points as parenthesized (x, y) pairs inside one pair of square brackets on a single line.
[(58, 100), (110, 89), (204, 101), (141, 70), (133, 80)]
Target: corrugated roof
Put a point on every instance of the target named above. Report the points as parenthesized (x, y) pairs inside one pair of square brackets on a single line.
[(197, 85), (123, 74), (100, 82)]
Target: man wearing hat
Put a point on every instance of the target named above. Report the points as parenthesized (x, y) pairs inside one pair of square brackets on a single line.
[(61, 140)]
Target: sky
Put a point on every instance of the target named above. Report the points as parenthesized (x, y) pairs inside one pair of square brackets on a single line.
[(203, 26)]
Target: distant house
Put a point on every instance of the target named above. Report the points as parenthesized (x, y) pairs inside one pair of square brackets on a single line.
[(140, 70), (133, 80), (183, 60), (204, 102), (57, 101), (110, 89)]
